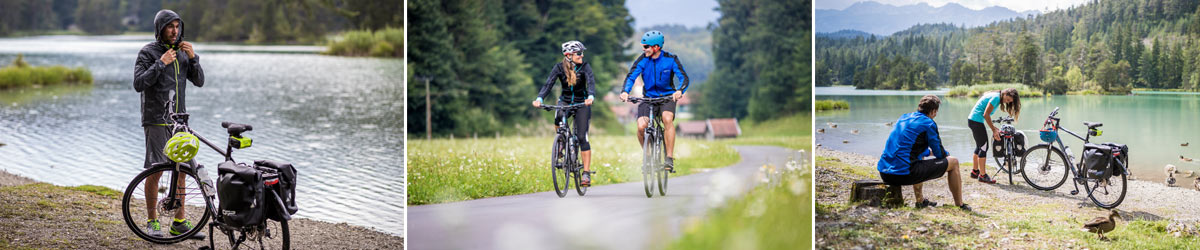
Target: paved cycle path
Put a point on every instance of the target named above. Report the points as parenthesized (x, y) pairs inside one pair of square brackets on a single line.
[(616, 216)]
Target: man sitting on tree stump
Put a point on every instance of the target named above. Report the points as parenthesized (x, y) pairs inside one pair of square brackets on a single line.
[(914, 154)]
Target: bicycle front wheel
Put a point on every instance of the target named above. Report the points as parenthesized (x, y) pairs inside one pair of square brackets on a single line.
[(150, 197), (558, 163), (1044, 167)]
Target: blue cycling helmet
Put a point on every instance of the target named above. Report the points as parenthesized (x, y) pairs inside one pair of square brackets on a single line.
[(653, 37)]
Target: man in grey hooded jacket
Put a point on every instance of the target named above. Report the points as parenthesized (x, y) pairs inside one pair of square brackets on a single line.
[(163, 67)]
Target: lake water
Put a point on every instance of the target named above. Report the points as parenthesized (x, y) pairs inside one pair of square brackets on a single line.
[(338, 119), (1152, 124)]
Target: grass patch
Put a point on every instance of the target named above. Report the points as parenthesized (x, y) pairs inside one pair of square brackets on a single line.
[(976, 90), (102, 191), (837, 165), (793, 132), (793, 125), (388, 42), (21, 74), (444, 170), (772, 216), (827, 105)]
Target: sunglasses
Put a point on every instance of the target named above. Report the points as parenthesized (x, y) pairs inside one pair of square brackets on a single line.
[(646, 46)]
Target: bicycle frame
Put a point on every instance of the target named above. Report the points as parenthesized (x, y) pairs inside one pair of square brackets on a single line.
[(1054, 121), (655, 128), (564, 128)]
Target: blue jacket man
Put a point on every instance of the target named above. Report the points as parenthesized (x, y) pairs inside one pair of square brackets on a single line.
[(914, 154), (659, 71)]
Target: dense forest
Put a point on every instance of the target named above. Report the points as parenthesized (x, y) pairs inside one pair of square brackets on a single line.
[(484, 60), (763, 51), (270, 21), (1109, 46)]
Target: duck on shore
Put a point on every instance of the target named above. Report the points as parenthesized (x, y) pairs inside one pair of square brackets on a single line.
[(1170, 169), (1101, 225)]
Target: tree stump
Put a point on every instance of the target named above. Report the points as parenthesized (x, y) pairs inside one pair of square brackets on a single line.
[(876, 193)]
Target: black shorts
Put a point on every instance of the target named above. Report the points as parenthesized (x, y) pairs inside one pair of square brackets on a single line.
[(981, 137), (156, 141), (918, 172), (644, 108)]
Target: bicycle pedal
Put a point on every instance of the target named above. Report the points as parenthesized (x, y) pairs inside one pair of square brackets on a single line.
[(1074, 192)]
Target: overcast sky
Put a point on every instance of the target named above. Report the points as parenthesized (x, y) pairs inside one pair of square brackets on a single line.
[(1017, 5), (691, 13)]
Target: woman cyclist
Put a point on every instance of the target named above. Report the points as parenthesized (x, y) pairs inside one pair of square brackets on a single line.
[(578, 86), (1009, 101)]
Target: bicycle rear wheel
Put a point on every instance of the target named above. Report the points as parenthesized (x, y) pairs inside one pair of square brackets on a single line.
[(1107, 193), (275, 236), (558, 164), (576, 171), (648, 161), (662, 172), (148, 197), (1044, 167)]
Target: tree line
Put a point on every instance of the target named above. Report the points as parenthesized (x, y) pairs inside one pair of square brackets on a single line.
[(269, 21), (484, 60), (763, 53), (1109, 46)]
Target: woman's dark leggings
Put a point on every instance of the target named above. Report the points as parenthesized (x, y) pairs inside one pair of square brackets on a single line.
[(582, 116)]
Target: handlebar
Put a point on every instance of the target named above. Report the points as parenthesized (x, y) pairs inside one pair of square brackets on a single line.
[(563, 107), (1006, 119), (663, 99), (1055, 112)]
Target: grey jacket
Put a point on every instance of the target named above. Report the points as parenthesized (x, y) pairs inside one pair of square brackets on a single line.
[(156, 80)]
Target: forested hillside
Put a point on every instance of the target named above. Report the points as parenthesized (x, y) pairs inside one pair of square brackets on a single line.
[(1106, 46)]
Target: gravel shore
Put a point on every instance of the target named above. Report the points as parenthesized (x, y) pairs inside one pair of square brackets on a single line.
[(43, 216), (1003, 216)]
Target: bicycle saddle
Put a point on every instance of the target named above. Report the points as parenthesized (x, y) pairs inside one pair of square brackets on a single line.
[(236, 129), (1092, 125)]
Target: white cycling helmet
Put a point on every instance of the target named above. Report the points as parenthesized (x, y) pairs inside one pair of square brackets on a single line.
[(572, 47)]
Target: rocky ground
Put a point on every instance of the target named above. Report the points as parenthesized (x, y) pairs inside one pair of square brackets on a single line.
[(43, 216), (1004, 216)]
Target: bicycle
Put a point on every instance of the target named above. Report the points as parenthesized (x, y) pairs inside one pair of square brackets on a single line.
[(654, 158), (191, 182), (1009, 148), (564, 155), (1098, 185)]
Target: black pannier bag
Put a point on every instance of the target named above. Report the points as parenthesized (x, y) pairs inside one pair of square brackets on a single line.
[(1019, 141), (284, 205), (1018, 145), (240, 189), (1120, 153), (1096, 160)]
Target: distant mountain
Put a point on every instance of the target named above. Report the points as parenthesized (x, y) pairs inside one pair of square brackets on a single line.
[(845, 34), (883, 19)]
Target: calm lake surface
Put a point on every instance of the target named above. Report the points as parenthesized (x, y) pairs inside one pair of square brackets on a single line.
[(1153, 124), (338, 119)]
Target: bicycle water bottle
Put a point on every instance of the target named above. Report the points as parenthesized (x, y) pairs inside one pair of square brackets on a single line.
[(205, 181)]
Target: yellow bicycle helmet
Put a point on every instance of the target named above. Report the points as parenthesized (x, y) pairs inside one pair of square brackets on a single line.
[(182, 147)]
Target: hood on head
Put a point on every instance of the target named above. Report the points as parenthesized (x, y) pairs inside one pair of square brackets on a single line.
[(161, 20)]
